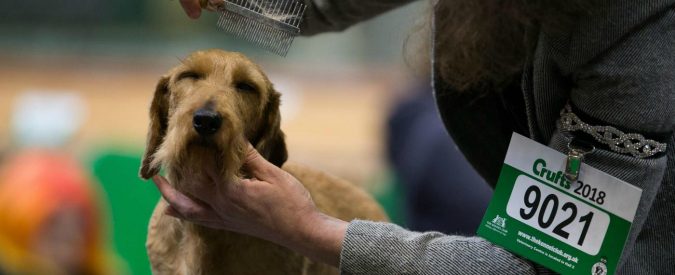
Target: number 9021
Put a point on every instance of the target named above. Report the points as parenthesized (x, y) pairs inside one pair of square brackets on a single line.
[(558, 214), (533, 202)]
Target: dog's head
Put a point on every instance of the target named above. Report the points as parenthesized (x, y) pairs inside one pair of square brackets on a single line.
[(206, 110)]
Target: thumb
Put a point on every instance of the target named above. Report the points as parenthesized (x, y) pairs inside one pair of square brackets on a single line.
[(257, 165), (211, 5)]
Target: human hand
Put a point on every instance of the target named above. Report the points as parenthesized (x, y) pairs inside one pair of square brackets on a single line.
[(193, 8), (273, 206)]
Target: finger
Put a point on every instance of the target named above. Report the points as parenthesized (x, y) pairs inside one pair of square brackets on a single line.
[(183, 205), (163, 185), (257, 165), (170, 211), (206, 222), (192, 8)]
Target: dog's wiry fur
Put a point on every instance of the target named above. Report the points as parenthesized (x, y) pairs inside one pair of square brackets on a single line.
[(213, 79)]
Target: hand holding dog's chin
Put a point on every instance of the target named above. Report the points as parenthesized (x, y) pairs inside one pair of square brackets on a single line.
[(272, 206)]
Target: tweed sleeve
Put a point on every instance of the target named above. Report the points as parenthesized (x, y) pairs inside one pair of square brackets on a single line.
[(631, 86), (383, 248), (337, 15)]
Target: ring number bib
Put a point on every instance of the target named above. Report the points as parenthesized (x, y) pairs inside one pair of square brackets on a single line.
[(570, 227)]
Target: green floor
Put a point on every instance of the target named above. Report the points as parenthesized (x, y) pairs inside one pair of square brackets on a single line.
[(131, 203)]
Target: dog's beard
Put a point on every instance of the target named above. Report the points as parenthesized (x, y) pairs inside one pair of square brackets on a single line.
[(192, 159)]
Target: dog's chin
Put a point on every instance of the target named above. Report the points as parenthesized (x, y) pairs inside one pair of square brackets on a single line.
[(207, 157), (192, 159)]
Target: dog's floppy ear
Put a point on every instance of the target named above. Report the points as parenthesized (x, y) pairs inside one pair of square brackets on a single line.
[(270, 142), (157, 128)]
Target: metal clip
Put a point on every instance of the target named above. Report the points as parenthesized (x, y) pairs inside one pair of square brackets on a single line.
[(577, 150)]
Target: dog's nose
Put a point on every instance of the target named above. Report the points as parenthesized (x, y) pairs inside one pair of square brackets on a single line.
[(206, 122)]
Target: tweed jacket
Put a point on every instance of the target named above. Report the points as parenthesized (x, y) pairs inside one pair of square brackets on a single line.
[(616, 67)]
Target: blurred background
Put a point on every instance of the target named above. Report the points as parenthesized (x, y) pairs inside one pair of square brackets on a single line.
[(76, 79)]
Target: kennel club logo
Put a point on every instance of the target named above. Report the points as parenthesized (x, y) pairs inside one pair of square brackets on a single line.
[(498, 224), (499, 221)]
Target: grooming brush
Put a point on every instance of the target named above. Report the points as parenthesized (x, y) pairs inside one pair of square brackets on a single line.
[(269, 24)]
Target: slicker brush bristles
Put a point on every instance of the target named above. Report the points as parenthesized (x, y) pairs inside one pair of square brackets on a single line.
[(270, 24)]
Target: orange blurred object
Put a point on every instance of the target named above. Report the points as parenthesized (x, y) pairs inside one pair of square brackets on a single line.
[(49, 217)]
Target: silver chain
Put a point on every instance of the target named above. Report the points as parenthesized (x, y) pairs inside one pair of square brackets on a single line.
[(620, 142)]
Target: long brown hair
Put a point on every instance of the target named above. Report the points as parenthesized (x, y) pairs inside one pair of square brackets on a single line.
[(485, 42)]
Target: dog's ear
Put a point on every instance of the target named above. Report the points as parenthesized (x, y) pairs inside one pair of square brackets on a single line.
[(270, 142), (157, 128)]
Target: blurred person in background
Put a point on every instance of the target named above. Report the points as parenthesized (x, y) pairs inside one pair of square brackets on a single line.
[(433, 173), (50, 221)]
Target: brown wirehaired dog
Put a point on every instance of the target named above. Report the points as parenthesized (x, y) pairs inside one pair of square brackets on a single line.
[(203, 114)]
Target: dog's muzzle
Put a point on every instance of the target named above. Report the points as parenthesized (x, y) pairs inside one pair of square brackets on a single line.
[(206, 122)]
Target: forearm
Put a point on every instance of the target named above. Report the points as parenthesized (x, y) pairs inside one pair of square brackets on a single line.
[(381, 248), (362, 247), (337, 15)]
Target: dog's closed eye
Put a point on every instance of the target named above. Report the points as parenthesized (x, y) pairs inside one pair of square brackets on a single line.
[(245, 87), (189, 75)]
